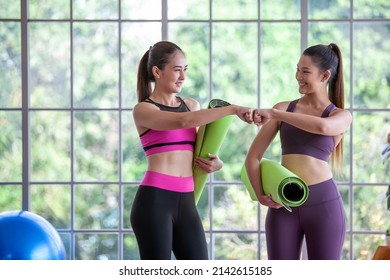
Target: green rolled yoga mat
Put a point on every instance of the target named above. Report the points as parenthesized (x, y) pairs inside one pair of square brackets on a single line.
[(285, 187), (209, 140)]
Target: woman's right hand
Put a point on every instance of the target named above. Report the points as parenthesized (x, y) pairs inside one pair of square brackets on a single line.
[(244, 113), (261, 116), (266, 200)]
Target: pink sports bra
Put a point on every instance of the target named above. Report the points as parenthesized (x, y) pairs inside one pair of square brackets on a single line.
[(159, 141), (298, 141)]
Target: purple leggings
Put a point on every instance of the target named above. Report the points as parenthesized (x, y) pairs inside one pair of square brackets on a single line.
[(321, 220)]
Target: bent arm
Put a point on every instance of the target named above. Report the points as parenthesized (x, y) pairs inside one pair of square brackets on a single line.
[(253, 158), (336, 124), (149, 116)]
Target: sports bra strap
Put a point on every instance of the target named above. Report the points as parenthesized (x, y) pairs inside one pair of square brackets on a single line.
[(291, 106), (327, 110), (181, 108), (325, 113)]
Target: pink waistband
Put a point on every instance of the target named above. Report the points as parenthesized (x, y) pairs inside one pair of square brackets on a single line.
[(168, 182)]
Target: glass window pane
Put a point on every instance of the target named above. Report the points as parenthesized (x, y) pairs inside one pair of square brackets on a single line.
[(96, 65), (66, 240), (49, 9), (339, 33), (92, 9), (10, 197), (96, 207), (379, 9), (344, 175), (244, 9), (235, 61), (136, 40), (365, 245), (10, 9), (96, 246), (96, 146), (235, 246), (129, 192), (280, 52), (10, 146), (50, 146), (52, 202), (344, 192), (370, 137), (10, 65), (329, 9), (263, 214), (49, 65), (370, 208), (229, 213), (203, 208), (146, 9), (189, 9), (346, 251), (280, 9), (263, 248), (234, 149), (194, 40), (371, 90), (130, 247), (134, 159)]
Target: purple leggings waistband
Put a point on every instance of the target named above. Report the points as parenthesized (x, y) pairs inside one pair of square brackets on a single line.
[(168, 182), (322, 192)]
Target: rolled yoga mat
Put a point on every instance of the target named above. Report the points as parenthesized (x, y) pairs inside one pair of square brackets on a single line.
[(209, 140), (285, 187)]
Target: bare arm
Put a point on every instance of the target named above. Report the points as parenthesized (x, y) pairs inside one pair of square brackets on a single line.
[(252, 161), (149, 116), (337, 123)]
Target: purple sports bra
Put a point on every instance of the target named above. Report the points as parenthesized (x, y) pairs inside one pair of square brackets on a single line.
[(298, 141), (159, 141)]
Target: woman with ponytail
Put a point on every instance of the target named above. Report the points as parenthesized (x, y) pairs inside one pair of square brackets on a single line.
[(164, 215), (311, 132)]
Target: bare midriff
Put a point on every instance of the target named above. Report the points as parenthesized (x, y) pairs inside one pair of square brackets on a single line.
[(309, 169), (174, 163)]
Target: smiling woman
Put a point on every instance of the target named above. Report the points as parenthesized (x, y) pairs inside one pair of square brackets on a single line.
[(311, 130), (164, 215), (69, 147)]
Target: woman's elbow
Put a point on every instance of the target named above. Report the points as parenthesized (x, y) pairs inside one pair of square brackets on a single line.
[(330, 130), (337, 126), (324, 129), (251, 161)]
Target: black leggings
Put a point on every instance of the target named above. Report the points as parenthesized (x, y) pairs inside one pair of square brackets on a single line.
[(165, 221)]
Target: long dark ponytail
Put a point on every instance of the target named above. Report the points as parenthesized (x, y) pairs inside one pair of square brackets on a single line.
[(328, 57), (158, 55)]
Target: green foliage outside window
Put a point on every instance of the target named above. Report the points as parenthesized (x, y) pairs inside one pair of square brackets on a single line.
[(85, 157)]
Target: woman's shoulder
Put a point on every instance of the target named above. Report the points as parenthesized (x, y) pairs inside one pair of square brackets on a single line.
[(140, 105), (144, 106), (343, 112), (191, 103), (283, 105)]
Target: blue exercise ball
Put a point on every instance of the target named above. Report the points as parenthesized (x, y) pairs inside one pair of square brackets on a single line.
[(27, 236)]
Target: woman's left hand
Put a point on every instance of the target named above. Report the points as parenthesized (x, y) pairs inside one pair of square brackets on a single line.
[(214, 164)]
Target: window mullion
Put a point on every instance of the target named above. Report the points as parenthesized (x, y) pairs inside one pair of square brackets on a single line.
[(25, 105)]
